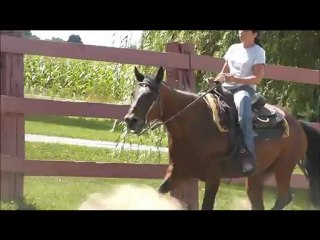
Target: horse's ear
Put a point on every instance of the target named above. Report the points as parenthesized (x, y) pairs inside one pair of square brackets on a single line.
[(160, 74), (138, 75)]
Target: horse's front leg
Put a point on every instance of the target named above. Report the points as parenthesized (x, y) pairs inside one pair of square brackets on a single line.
[(211, 189), (170, 182), (212, 184)]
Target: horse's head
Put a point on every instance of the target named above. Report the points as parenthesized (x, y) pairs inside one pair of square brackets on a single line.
[(142, 109)]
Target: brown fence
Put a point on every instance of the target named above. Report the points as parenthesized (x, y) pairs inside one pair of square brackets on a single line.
[(179, 59)]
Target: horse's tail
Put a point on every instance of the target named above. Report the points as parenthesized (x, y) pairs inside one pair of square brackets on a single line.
[(311, 166)]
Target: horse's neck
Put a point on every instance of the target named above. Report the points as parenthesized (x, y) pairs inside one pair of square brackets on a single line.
[(172, 102), (182, 128)]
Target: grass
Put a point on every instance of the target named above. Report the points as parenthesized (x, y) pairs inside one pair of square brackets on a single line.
[(50, 151), (234, 197), (67, 193), (89, 128), (93, 129)]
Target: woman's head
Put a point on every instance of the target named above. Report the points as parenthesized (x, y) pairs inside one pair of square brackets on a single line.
[(249, 37)]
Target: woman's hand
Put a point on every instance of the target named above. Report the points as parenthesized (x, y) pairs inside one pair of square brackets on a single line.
[(221, 77), (212, 81), (229, 77)]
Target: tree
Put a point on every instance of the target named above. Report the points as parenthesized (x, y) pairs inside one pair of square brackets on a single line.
[(28, 34), (57, 39), (75, 38), (287, 48)]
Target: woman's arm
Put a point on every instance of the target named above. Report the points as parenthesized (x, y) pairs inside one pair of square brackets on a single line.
[(225, 68), (220, 77), (256, 78)]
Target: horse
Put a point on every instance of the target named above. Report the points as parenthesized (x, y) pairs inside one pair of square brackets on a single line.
[(200, 149)]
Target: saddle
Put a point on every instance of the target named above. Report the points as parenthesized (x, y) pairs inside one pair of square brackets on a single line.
[(268, 121)]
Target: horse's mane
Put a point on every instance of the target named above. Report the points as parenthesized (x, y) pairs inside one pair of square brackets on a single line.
[(187, 93), (182, 93)]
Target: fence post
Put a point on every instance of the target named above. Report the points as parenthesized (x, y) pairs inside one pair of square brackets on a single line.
[(185, 80), (12, 124)]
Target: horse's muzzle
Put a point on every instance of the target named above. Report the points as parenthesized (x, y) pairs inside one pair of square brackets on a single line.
[(130, 120), (133, 123)]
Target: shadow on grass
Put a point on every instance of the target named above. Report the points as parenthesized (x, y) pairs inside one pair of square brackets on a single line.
[(18, 205), (23, 205)]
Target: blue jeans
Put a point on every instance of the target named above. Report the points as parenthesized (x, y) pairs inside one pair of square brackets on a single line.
[(243, 99)]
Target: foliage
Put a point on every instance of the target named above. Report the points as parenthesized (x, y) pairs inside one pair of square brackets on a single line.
[(298, 49), (57, 39), (287, 48), (104, 82), (28, 34), (85, 80), (74, 38), (78, 79)]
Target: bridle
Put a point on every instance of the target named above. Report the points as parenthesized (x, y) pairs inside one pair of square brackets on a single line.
[(156, 100), (157, 122)]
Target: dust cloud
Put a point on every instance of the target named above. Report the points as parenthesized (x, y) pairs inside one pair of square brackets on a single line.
[(239, 203), (131, 197)]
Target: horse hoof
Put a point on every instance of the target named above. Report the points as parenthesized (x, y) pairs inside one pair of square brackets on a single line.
[(163, 189)]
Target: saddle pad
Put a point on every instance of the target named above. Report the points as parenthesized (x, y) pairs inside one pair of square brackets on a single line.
[(212, 103)]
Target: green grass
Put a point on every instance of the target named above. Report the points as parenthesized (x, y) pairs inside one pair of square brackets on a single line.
[(93, 129), (234, 197), (66, 193), (89, 128), (49, 151), (54, 193)]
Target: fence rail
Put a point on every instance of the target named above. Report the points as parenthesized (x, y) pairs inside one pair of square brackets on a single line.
[(82, 168), (274, 72), (96, 53), (143, 57), (108, 170), (31, 106), (179, 59)]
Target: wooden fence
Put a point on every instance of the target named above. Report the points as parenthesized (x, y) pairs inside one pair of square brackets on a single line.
[(179, 60)]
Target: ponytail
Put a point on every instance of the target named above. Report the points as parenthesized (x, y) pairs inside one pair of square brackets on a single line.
[(257, 41)]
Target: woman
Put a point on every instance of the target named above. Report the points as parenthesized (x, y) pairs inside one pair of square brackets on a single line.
[(242, 71)]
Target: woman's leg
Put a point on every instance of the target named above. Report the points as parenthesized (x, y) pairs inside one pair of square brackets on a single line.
[(243, 100)]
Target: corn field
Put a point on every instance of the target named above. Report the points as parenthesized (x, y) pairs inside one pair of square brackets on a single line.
[(84, 80), (78, 79)]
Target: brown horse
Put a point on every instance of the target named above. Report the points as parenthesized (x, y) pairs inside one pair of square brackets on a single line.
[(197, 147)]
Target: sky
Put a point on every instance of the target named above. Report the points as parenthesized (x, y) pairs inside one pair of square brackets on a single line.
[(98, 38)]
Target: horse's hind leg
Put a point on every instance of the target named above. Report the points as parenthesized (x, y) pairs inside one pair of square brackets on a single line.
[(283, 171), (254, 186), (284, 197)]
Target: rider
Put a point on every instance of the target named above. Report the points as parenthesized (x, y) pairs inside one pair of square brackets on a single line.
[(242, 71)]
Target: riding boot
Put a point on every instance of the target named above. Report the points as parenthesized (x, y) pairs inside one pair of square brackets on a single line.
[(247, 158), (249, 163)]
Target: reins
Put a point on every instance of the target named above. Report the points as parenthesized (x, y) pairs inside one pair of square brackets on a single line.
[(155, 124)]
